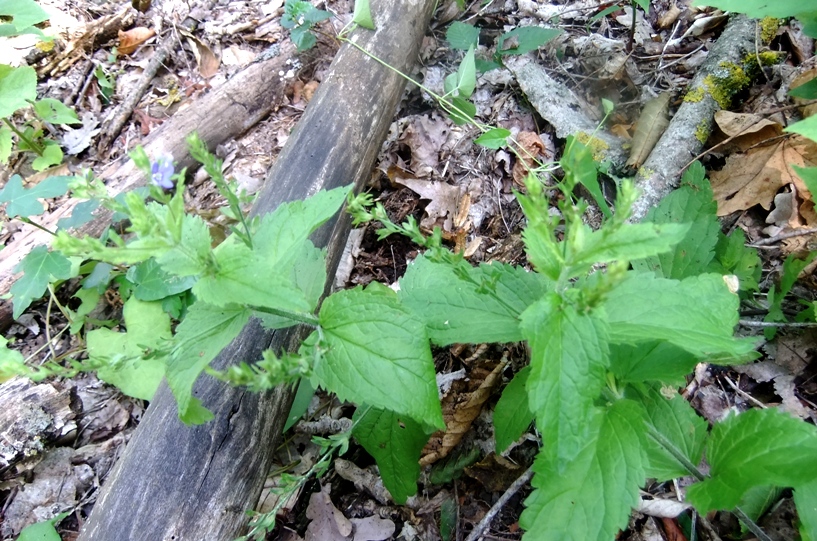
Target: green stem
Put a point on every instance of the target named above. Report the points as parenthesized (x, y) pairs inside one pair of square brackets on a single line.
[(35, 224), (33, 145), (301, 317)]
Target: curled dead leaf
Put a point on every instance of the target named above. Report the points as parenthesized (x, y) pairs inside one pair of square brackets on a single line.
[(531, 148), (650, 127), (133, 38)]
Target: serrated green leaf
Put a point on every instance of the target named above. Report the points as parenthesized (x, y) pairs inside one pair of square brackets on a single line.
[(39, 267), (580, 167), (527, 39), (396, 443), (732, 256), (569, 357), (190, 256), (203, 333), (153, 283), (512, 415), (592, 499), (761, 8), (678, 426), (757, 447), (309, 276), (806, 128), (692, 204), (805, 498), (453, 309), (18, 86), (495, 138), (23, 202), (697, 314), (55, 112), (377, 353), (363, 14), (52, 155), (148, 329), (462, 36), (651, 361)]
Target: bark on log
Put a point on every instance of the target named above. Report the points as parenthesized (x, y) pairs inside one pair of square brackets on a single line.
[(221, 115), (179, 482)]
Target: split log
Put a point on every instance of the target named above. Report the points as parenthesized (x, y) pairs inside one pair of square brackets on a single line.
[(179, 482), (221, 115)]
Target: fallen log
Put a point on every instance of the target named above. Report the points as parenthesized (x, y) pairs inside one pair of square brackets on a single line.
[(179, 482)]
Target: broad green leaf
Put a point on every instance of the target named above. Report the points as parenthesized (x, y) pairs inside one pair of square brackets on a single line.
[(395, 442), (692, 204), (569, 357), (512, 416), (242, 278), (809, 177), (39, 267), (377, 353), (18, 86), (580, 167), (761, 8), (757, 447), (462, 83), (805, 498), (24, 202), (89, 298), (807, 90), (309, 276), (5, 144), (363, 14), (300, 404), (81, 214), (462, 36), (643, 4), (23, 13), (732, 256), (524, 39), (455, 311), (52, 155), (12, 362), (55, 112), (592, 499), (190, 256), (461, 111), (651, 361), (676, 430), (41, 531), (203, 333), (153, 283), (124, 354), (757, 501), (697, 314), (806, 128), (495, 138)]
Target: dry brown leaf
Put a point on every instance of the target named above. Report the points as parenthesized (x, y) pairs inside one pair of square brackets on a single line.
[(494, 472), (328, 523), (309, 90), (131, 39), (444, 199), (748, 130), (206, 59), (650, 127), (425, 136), (754, 177), (531, 148), (459, 413)]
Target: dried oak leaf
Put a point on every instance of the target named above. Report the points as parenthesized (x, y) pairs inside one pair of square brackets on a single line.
[(531, 147), (444, 199), (754, 177), (425, 136), (133, 38), (747, 130)]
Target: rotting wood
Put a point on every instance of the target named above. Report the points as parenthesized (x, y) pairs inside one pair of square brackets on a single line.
[(179, 482), (221, 115)]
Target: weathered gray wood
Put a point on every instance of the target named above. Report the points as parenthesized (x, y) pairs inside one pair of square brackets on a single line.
[(178, 482)]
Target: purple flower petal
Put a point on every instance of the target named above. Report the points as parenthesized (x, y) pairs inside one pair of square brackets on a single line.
[(162, 172)]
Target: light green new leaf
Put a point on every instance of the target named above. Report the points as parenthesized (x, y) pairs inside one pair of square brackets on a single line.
[(461, 111), (732, 256), (23, 13), (123, 353), (18, 86), (5, 144), (377, 353), (40, 531), (512, 416), (651, 361), (55, 112), (396, 443), (806, 128), (309, 276), (569, 358), (23, 202), (580, 167), (455, 312), (494, 138), (190, 256), (805, 498), (757, 447), (12, 361), (242, 278), (363, 14), (676, 428), (526, 38), (203, 333), (692, 204), (38, 267), (809, 177), (52, 155), (592, 499), (761, 8), (88, 300), (462, 36), (153, 283), (462, 83), (697, 314)]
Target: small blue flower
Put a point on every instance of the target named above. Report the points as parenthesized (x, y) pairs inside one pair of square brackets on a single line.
[(161, 172)]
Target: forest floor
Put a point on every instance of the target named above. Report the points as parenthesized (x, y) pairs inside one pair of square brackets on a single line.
[(429, 168)]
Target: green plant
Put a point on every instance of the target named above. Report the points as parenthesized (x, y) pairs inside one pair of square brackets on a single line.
[(300, 17)]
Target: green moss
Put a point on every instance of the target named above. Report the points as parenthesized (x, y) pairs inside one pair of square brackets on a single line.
[(768, 29), (596, 145), (695, 95), (645, 172), (702, 132), (729, 80), (766, 58)]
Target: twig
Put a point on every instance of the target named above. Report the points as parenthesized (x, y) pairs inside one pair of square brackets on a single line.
[(784, 236), (744, 394), (764, 324), (483, 525)]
